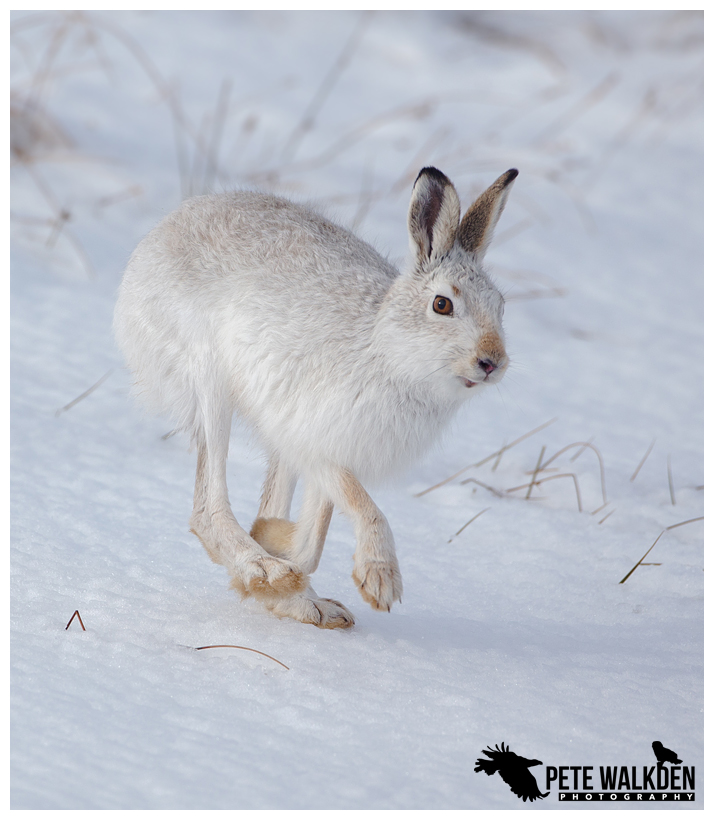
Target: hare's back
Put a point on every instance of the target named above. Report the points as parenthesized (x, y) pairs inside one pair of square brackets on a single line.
[(264, 244)]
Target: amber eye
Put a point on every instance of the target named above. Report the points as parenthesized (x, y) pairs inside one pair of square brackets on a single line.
[(443, 306)]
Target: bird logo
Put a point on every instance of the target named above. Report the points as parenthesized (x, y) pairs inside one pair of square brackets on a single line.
[(663, 754), (514, 771)]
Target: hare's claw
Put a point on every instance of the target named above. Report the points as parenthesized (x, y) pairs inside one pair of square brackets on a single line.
[(379, 583)]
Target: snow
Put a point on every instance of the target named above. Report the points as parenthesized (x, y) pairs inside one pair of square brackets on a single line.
[(516, 630)]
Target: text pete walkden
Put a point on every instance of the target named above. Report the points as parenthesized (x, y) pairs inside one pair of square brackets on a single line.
[(623, 783)]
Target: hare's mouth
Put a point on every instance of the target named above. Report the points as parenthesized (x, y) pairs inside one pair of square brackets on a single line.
[(467, 382)]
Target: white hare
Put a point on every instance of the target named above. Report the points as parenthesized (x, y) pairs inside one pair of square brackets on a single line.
[(345, 368)]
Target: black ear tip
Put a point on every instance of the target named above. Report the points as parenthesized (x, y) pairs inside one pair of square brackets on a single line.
[(511, 174), (432, 173)]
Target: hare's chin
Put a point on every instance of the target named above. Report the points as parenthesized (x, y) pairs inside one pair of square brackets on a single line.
[(467, 382)]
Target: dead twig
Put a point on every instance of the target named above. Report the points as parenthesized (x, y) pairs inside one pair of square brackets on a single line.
[(247, 648), (487, 459), (602, 520), (75, 615), (644, 458), (670, 481), (470, 521), (666, 529), (85, 394)]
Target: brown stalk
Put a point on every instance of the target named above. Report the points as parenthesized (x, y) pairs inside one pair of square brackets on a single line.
[(584, 444), (307, 120), (85, 394), (644, 458), (75, 615), (485, 486), (552, 478), (535, 472), (590, 99), (487, 459), (247, 648), (470, 521), (666, 529)]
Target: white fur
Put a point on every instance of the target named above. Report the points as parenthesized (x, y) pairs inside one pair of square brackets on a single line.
[(246, 303)]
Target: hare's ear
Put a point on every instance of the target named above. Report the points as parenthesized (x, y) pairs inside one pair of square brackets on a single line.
[(476, 228), (434, 213)]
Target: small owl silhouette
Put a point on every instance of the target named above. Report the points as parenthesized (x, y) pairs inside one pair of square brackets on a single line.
[(663, 754)]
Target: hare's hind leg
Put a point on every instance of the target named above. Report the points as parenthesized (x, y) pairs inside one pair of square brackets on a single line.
[(272, 529), (301, 543), (253, 570)]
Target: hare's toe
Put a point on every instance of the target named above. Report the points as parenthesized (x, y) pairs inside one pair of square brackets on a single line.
[(379, 583), (309, 609), (266, 576)]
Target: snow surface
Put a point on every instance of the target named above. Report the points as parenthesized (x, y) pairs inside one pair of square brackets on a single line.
[(516, 630)]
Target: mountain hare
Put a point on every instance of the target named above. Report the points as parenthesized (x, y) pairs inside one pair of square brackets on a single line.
[(345, 368)]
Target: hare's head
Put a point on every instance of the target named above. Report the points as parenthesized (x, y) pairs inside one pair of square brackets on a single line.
[(445, 313)]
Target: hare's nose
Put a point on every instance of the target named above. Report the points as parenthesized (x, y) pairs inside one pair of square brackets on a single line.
[(486, 365)]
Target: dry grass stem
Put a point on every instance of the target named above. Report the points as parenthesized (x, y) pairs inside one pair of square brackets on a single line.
[(470, 521), (666, 529), (247, 648), (79, 617), (670, 481), (307, 120), (498, 458), (119, 196), (581, 450), (535, 472), (419, 110), (219, 120), (682, 523), (602, 520), (600, 508), (485, 486), (592, 98), (551, 478), (584, 444), (62, 215), (488, 458), (85, 394), (644, 458)]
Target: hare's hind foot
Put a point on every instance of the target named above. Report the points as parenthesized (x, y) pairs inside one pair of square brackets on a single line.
[(266, 577), (308, 608), (379, 583), (253, 571)]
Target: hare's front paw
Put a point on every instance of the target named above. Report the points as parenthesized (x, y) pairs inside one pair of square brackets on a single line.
[(309, 609), (266, 577), (379, 583)]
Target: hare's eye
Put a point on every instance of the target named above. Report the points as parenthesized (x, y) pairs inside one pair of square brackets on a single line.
[(443, 306)]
